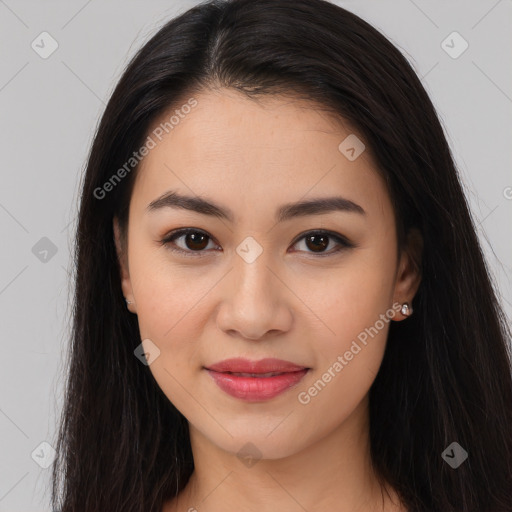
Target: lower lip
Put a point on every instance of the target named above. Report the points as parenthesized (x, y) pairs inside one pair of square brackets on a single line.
[(256, 389)]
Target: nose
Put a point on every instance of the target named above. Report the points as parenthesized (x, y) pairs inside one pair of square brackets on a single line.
[(254, 301)]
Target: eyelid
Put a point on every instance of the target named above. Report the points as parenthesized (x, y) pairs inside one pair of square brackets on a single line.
[(178, 233), (342, 241), (338, 237)]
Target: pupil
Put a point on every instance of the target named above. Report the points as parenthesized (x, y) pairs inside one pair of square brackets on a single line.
[(193, 238), (323, 244)]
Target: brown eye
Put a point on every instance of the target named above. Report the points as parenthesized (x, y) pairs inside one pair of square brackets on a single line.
[(196, 241), (193, 240), (316, 242)]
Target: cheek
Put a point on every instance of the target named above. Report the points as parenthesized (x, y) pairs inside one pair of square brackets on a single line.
[(359, 313), (354, 307), (168, 297), (170, 311), (351, 297)]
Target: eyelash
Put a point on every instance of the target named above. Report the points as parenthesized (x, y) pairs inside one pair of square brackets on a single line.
[(343, 242)]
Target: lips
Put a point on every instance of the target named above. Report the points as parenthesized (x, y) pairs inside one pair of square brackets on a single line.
[(259, 368), (256, 381)]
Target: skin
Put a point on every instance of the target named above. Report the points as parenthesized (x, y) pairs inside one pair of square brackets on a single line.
[(291, 302)]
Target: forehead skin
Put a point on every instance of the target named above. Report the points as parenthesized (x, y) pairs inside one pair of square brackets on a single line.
[(253, 156)]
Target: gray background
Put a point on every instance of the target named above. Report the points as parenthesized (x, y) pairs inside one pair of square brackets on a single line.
[(49, 110)]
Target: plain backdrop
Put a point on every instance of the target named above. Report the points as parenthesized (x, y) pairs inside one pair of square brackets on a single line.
[(49, 109)]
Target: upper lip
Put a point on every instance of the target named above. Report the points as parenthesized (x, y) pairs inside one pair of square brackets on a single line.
[(268, 365)]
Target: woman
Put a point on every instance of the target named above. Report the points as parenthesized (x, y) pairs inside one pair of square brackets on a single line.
[(281, 302)]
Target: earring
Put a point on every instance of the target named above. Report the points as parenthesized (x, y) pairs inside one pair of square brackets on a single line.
[(406, 309), (128, 301)]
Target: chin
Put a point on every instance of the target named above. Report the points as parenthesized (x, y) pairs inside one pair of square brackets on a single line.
[(253, 443)]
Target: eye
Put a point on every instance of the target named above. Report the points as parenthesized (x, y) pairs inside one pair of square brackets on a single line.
[(196, 241), (317, 241)]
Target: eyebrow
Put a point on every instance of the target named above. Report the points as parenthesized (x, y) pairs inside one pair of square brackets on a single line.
[(285, 212)]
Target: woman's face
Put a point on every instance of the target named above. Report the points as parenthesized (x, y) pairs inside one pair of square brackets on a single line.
[(253, 282)]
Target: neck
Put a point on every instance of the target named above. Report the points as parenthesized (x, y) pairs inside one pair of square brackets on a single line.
[(335, 473)]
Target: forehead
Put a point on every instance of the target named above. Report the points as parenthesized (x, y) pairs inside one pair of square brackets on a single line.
[(247, 153)]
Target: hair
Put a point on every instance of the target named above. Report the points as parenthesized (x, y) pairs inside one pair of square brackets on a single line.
[(446, 371)]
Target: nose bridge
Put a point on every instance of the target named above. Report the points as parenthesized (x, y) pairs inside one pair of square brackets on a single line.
[(253, 279), (253, 300)]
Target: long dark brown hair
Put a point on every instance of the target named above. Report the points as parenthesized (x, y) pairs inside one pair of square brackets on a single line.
[(446, 373)]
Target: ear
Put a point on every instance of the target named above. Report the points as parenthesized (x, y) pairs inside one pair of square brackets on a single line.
[(409, 268), (122, 258)]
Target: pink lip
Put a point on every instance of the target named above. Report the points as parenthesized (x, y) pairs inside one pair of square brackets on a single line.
[(252, 388)]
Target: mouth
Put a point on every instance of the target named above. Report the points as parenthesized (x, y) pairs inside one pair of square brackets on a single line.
[(259, 375), (261, 367), (256, 381)]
